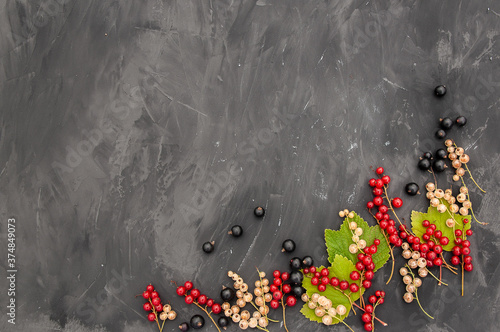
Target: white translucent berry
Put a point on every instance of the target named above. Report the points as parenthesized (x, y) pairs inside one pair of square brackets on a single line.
[(358, 231), (430, 186), (353, 248), (453, 208), (327, 320), (341, 309), (353, 225), (403, 271), (423, 272), (441, 208), (407, 279), (434, 202), (439, 193), (320, 312), (362, 244)]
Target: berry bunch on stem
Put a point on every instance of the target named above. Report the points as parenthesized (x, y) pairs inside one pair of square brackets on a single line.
[(157, 311), (369, 316)]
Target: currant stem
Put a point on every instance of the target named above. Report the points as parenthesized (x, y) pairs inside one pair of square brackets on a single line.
[(440, 281), (472, 178), (342, 321), (380, 321), (471, 210), (416, 296), (391, 249), (392, 209), (462, 275), (284, 319), (208, 314)]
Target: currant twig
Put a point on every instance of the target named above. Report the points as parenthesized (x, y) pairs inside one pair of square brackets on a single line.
[(380, 321), (342, 321), (416, 294), (208, 314), (392, 209), (472, 178), (391, 249), (438, 279), (471, 210)]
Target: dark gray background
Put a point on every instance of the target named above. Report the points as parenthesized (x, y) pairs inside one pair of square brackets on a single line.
[(118, 116)]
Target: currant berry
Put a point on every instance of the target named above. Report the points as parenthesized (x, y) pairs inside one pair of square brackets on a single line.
[(354, 288), (184, 327), (321, 288), (223, 322), (288, 246), (372, 299), (465, 251), (468, 267), (383, 209), (370, 205), (291, 301), (440, 90), (227, 294), (461, 120), (334, 282), (151, 317), (296, 290), (441, 154), (467, 259), (156, 301), (376, 242), (275, 304), (325, 272), (307, 261), (216, 308), (377, 191), (188, 299), (354, 275), (378, 201), (296, 277), (369, 275), (379, 170), (154, 295), (379, 183), (344, 285), (369, 308), (285, 276), (181, 290), (325, 280), (468, 232), (367, 284), (368, 327), (188, 285), (259, 212), (236, 231), (439, 166), (397, 202), (277, 281), (427, 155), (210, 303), (208, 247), (146, 294), (150, 288), (424, 164), (386, 179), (295, 263), (202, 299), (147, 306), (444, 241), (412, 188), (197, 322), (366, 317)]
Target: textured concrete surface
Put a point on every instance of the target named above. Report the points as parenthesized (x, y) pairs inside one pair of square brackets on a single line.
[(134, 131)]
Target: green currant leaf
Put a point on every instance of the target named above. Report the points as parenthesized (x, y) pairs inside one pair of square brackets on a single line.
[(338, 242), (439, 219), (341, 268)]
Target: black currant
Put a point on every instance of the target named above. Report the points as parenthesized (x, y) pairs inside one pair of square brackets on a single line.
[(236, 231), (307, 261), (446, 123), (461, 120), (184, 326), (440, 90), (298, 291), (208, 247), (427, 155), (424, 164), (440, 133), (223, 322), (227, 294), (412, 188), (288, 246), (441, 154), (197, 322), (259, 211), (439, 166), (296, 277), (296, 263)]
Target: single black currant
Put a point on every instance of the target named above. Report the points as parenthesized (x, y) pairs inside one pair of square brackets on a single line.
[(296, 263), (298, 291), (296, 277), (307, 261), (227, 294), (236, 231), (440, 133), (439, 166), (440, 90), (446, 123), (427, 155), (412, 188), (223, 322), (259, 211), (288, 246), (197, 322), (461, 120), (441, 154), (184, 326), (208, 247), (424, 164)]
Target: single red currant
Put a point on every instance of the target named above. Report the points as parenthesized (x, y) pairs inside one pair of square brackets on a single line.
[(344, 285), (457, 251), (465, 221), (354, 275), (426, 223), (369, 308), (325, 280), (275, 304), (379, 183), (382, 294), (321, 287), (376, 242), (154, 295), (151, 317), (147, 306), (372, 182), (380, 301), (202, 299), (354, 288), (285, 276), (424, 247), (433, 226), (431, 255), (468, 267), (146, 294), (291, 301), (467, 259), (277, 295), (383, 209), (360, 266), (334, 282), (386, 179), (465, 251), (156, 301), (306, 271), (188, 299), (458, 232), (437, 249), (150, 288), (437, 261), (369, 275), (216, 308), (314, 281), (181, 290), (367, 284), (312, 269), (397, 202), (273, 288), (210, 303), (159, 308), (325, 272), (188, 285), (455, 260), (368, 327), (438, 234), (426, 237), (378, 191), (277, 281), (287, 288), (370, 205), (366, 318), (444, 241), (379, 170), (276, 274), (372, 299), (383, 224), (468, 232), (195, 293), (465, 243), (378, 201)]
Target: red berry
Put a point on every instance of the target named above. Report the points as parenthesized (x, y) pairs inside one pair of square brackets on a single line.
[(458, 232), (150, 288), (458, 240), (466, 221), (379, 170), (146, 294), (277, 295), (465, 251), (159, 308), (147, 306), (437, 261), (188, 299), (397, 202), (325, 280), (344, 285), (317, 275), (433, 226), (378, 201), (188, 285), (367, 284), (382, 294), (415, 246), (366, 317), (444, 241), (424, 247), (291, 301), (457, 251), (455, 260), (385, 216), (306, 271), (360, 266), (372, 299), (426, 223), (376, 242), (386, 179), (285, 276), (467, 259), (403, 235), (372, 182), (367, 260), (276, 274), (431, 255), (416, 240), (195, 293), (369, 308), (354, 288), (430, 263), (426, 237), (202, 299), (354, 275), (371, 266), (468, 267), (429, 231), (377, 293), (370, 205), (410, 238), (277, 281), (181, 290), (321, 287), (379, 183), (377, 191), (216, 308), (369, 275), (273, 288), (312, 269), (465, 243), (154, 295), (151, 317), (156, 301), (383, 224), (314, 281), (275, 304), (383, 209), (438, 234), (287, 288), (210, 303), (437, 249), (334, 281), (325, 272), (380, 301), (468, 232)]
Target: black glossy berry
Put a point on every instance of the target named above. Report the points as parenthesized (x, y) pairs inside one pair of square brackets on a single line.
[(197, 322), (259, 211), (227, 294), (288, 246), (440, 90), (427, 155), (441, 154), (439, 166), (307, 261), (412, 188), (440, 133), (446, 123), (298, 291), (184, 326), (223, 322), (295, 263), (424, 164), (236, 231), (461, 120), (208, 247), (296, 277)]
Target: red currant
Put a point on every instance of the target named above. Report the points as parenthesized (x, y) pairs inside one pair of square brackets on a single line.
[(429, 231), (383, 209), (150, 288), (360, 266), (431, 255), (277, 295), (151, 317), (367, 284), (287, 288), (273, 288), (380, 301), (325, 272), (465, 243), (344, 285), (314, 281), (355, 275), (438, 234), (372, 182), (467, 259), (424, 247), (188, 285), (216, 308), (369, 275), (376, 242), (458, 240), (275, 304), (383, 224), (321, 287), (416, 240), (366, 318), (377, 293), (156, 301), (334, 281), (468, 232), (370, 205), (379, 170), (465, 251), (368, 327), (306, 271), (181, 290), (386, 179), (458, 232), (154, 295), (377, 191), (437, 249), (468, 267), (367, 260), (437, 261), (159, 308), (195, 293), (444, 241), (317, 275), (210, 303), (277, 281), (457, 251), (325, 280), (369, 308), (147, 306), (188, 299), (372, 299), (455, 260), (312, 269), (276, 274), (466, 221), (433, 226), (426, 223), (379, 183), (202, 299), (146, 294), (291, 301), (382, 294), (354, 288), (285, 276), (397, 202), (426, 237), (378, 201)]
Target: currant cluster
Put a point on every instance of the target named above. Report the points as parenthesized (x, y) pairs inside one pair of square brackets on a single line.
[(412, 283), (359, 244), (155, 307), (194, 296), (462, 248), (323, 307), (369, 316), (438, 164), (458, 158), (436, 195), (426, 254)]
